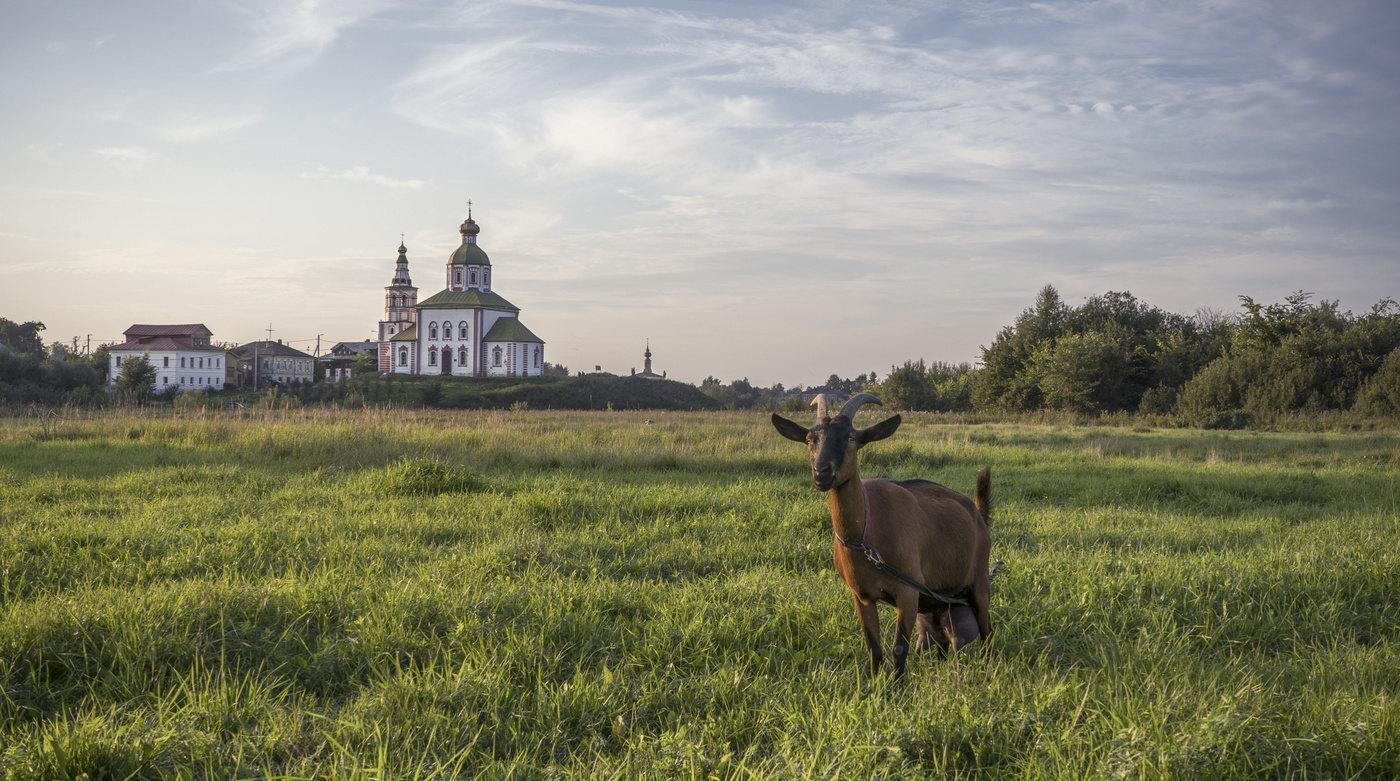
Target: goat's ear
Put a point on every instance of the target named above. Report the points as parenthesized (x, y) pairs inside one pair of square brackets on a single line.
[(879, 431), (794, 431)]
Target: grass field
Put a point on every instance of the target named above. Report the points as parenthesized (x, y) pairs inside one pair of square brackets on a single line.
[(400, 594)]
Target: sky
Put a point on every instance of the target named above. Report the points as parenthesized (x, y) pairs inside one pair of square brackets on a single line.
[(771, 191)]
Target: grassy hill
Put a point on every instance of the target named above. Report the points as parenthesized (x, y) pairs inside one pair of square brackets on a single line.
[(589, 392)]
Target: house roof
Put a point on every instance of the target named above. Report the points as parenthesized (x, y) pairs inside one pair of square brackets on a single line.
[(406, 335), (510, 329), (268, 348), (146, 343), (186, 329), (355, 347), (464, 299)]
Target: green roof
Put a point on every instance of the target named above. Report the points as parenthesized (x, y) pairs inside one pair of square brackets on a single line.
[(453, 299), (510, 329), (406, 335), (469, 255)]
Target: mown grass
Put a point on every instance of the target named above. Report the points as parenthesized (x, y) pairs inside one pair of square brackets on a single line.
[(398, 594)]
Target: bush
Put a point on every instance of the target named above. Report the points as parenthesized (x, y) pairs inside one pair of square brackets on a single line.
[(1160, 400), (1381, 394), (194, 399)]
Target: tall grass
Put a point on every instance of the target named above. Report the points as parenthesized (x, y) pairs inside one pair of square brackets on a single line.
[(398, 594)]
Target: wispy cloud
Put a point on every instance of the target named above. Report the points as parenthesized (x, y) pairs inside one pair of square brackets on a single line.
[(361, 173), (190, 128), (292, 33), (126, 158)]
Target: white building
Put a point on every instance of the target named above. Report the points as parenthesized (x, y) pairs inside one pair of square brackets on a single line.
[(181, 355), (465, 330)]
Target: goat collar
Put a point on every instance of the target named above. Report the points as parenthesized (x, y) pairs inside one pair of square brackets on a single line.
[(888, 569), (861, 546)]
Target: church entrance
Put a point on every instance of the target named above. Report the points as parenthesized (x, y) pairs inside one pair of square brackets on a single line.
[(446, 361)]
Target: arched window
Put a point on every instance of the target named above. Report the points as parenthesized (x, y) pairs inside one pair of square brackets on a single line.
[(403, 357), (447, 332), (537, 357), (496, 356), (473, 277), (432, 330), (462, 330), (462, 356), (457, 277), (432, 357)]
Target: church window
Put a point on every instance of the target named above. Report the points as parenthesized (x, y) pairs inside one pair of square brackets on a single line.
[(495, 356), (456, 277), (537, 357), (447, 332), (462, 330), (432, 357), (403, 357), (432, 331), (462, 357), (473, 277)]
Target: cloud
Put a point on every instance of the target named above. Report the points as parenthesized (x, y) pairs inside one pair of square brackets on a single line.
[(126, 158), (292, 33), (44, 153), (190, 128), (362, 173)]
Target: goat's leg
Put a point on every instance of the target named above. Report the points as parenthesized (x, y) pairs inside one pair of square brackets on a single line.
[(870, 627), (907, 613), (930, 631)]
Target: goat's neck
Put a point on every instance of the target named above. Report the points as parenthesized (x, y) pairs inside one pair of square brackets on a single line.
[(848, 509)]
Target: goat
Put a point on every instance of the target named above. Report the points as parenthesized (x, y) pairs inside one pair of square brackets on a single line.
[(933, 534)]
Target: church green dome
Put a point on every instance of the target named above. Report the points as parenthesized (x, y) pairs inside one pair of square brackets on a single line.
[(469, 255)]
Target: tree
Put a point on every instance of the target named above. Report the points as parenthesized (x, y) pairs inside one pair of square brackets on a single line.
[(364, 365), (22, 338), (137, 377)]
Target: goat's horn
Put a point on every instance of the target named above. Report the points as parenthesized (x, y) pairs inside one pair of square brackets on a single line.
[(820, 401), (854, 404)]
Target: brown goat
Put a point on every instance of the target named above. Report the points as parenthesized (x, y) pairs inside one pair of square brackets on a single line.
[(932, 534)]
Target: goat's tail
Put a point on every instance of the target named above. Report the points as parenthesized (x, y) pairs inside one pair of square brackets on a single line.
[(984, 495)]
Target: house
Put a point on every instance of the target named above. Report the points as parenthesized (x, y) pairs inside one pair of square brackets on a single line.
[(181, 355), (465, 330), (341, 358), (266, 361)]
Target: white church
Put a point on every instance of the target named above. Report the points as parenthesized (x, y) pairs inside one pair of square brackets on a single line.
[(464, 331)]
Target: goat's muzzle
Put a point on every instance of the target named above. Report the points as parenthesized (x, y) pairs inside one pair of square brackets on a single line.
[(824, 479)]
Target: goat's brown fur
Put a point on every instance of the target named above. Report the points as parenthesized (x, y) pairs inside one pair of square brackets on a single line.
[(932, 533)]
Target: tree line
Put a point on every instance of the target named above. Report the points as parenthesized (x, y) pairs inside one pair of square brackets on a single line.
[(1117, 353), (1112, 353)]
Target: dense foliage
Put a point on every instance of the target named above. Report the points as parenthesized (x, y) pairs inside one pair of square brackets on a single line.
[(30, 374), (1116, 353)]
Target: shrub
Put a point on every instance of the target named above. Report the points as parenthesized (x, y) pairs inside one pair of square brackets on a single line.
[(194, 399), (1381, 394)]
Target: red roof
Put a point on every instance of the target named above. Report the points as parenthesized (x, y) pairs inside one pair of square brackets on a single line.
[(188, 329)]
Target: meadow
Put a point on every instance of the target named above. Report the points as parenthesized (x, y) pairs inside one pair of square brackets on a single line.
[(447, 594)]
